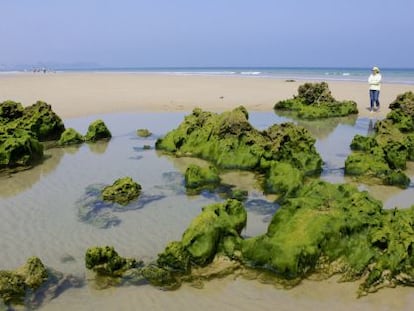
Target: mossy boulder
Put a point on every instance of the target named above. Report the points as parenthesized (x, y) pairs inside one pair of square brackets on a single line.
[(315, 101), (97, 130), (122, 191), (15, 285), (143, 133), (231, 142), (385, 154), (215, 231), (18, 148), (197, 177), (70, 137)]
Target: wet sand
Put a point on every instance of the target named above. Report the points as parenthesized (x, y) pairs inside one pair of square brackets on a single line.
[(83, 94)]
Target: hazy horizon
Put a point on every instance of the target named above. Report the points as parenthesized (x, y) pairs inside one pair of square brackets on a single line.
[(185, 33)]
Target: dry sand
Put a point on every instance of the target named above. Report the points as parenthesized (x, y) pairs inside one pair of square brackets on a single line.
[(82, 94)]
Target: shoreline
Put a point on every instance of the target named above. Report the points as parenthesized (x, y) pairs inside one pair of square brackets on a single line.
[(89, 93)]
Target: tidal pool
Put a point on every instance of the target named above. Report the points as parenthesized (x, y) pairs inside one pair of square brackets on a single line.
[(42, 213)]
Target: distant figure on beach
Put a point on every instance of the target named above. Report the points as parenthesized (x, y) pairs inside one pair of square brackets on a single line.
[(374, 82)]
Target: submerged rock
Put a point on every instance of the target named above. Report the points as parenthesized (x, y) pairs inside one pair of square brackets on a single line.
[(97, 130), (384, 155), (143, 133), (315, 101), (122, 191), (94, 210)]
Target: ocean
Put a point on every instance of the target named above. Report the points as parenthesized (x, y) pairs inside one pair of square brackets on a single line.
[(390, 75)]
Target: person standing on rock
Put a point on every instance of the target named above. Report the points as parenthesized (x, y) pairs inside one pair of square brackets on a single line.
[(374, 82)]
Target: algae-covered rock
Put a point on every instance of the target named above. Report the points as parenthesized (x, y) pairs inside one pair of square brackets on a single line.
[(215, 231), (9, 111), (229, 141), (143, 133), (107, 262), (97, 130), (321, 220), (40, 120), (283, 179), (21, 129), (122, 191), (385, 154), (18, 148), (197, 177), (315, 101), (70, 137), (15, 285)]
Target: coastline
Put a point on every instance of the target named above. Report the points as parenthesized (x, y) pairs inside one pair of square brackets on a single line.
[(78, 94)]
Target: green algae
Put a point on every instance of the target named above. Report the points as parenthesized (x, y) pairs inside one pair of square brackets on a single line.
[(315, 101), (321, 230), (22, 130), (197, 178), (18, 148), (15, 285), (122, 191), (97, 130), (70, 137), (143, 133), (107, 262), (38, 119), (384, 155), (215, 231), (229, 141)]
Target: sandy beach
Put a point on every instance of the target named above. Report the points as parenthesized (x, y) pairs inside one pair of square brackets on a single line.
[(83, 94)]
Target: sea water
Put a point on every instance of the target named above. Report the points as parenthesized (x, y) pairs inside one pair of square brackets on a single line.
[(41, 215)]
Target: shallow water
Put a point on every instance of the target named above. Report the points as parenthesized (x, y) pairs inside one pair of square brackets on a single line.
[(41, 215)]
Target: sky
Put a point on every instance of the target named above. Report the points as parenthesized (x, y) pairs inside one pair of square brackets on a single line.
[(209, 33)]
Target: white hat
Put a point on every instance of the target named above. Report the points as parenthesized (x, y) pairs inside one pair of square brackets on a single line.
[(375, 69)]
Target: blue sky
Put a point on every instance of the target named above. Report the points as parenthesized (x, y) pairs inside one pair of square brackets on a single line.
[(313, 33)]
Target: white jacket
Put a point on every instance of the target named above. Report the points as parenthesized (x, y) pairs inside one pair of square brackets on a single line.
[(374, 81)]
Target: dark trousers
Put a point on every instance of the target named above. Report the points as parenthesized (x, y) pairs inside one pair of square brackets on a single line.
[(374, 97)]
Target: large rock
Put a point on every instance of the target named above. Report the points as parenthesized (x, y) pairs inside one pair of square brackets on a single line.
[(229, 141), (40, 120), (315, 101)]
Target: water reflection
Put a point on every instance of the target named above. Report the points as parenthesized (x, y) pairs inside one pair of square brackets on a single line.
[(98, 147), (14, 183), (320, 128)]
